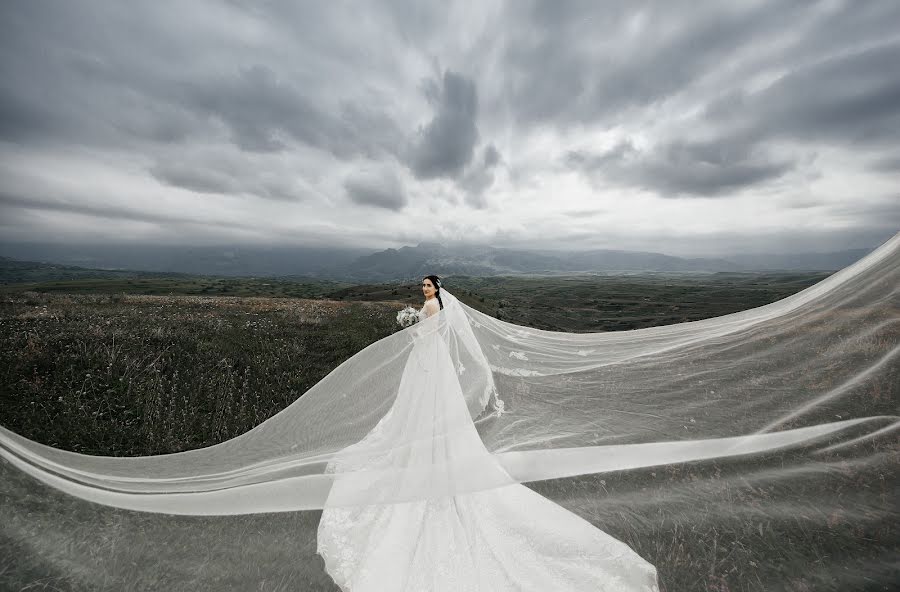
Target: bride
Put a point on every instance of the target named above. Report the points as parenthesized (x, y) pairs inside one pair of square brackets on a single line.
[(407, 512)]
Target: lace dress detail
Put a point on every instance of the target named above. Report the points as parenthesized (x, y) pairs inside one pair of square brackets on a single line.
[(509, 538), (503, 538), (431, 307)]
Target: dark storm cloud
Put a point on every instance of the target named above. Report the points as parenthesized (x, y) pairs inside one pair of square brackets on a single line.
[(201, 180), (680, 168), (446, 145), (577, 62), (21, 119), (138, 82), (382, 189), (559, 71), (227, 177), (491, 156), (257, 105), (851, 99), (63, 83), (717, 98), (833, 66), (887, 164), (480, 177), (109, 212), (844, 100)]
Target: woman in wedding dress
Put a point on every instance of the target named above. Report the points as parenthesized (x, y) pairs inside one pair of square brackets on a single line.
[(455, 537)]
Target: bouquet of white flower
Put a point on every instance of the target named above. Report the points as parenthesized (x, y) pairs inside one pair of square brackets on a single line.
[(408, 317)]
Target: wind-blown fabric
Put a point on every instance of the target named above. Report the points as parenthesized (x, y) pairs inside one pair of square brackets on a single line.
[(502, 538), (812, 378)]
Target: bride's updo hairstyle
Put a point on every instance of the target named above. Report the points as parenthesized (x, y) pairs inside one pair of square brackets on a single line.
[(437, 288)]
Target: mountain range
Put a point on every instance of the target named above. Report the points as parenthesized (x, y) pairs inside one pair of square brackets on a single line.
[(364, 265)]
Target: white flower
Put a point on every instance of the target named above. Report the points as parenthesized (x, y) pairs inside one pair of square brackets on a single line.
[(584, 352), (518, 355), (460, 368), (408, 317)]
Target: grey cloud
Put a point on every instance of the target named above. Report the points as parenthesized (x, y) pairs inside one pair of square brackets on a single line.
[(415, 22), (584, 213), (475, 184), (803, 203), (446, 145), (150, 82), (621, 152), (382, 189), (193, 178), (845, 100), (111, 212), (559, 74), (65, 84), (850, 98), (886, 164), (205, 177), (883, 213), (829, 30), (491, 156), (21, 119), (479, 177), (682, 168), (840, 83), (257, 105)]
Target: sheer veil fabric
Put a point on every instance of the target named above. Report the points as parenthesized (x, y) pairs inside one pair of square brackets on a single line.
[(416, 448), (506, 537)]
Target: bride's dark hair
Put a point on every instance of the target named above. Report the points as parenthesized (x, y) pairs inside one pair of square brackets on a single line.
[(437, 288)]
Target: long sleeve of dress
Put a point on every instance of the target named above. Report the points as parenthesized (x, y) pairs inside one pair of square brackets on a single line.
[(432, 307), (429, 309)]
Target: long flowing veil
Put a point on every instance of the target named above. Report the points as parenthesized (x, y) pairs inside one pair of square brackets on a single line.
[(420, 504), (781, 398)]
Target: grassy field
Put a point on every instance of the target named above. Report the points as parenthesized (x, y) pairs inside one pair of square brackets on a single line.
[(106, 368), (137, 374), (119, 373), (587, 302)]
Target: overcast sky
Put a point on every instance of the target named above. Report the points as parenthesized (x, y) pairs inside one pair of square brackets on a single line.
[(676, 127)]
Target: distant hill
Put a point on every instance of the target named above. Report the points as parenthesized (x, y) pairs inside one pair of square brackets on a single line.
[(426, 258), (217, 261), (13, 271), (27, 263), (801, 261)]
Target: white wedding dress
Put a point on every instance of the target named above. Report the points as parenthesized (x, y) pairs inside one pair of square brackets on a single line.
[(493, 539)]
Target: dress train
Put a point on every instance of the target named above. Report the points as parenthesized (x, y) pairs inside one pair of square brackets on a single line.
[(501, 538)]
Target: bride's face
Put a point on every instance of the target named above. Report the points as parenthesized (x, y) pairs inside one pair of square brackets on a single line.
[(427, 288)]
